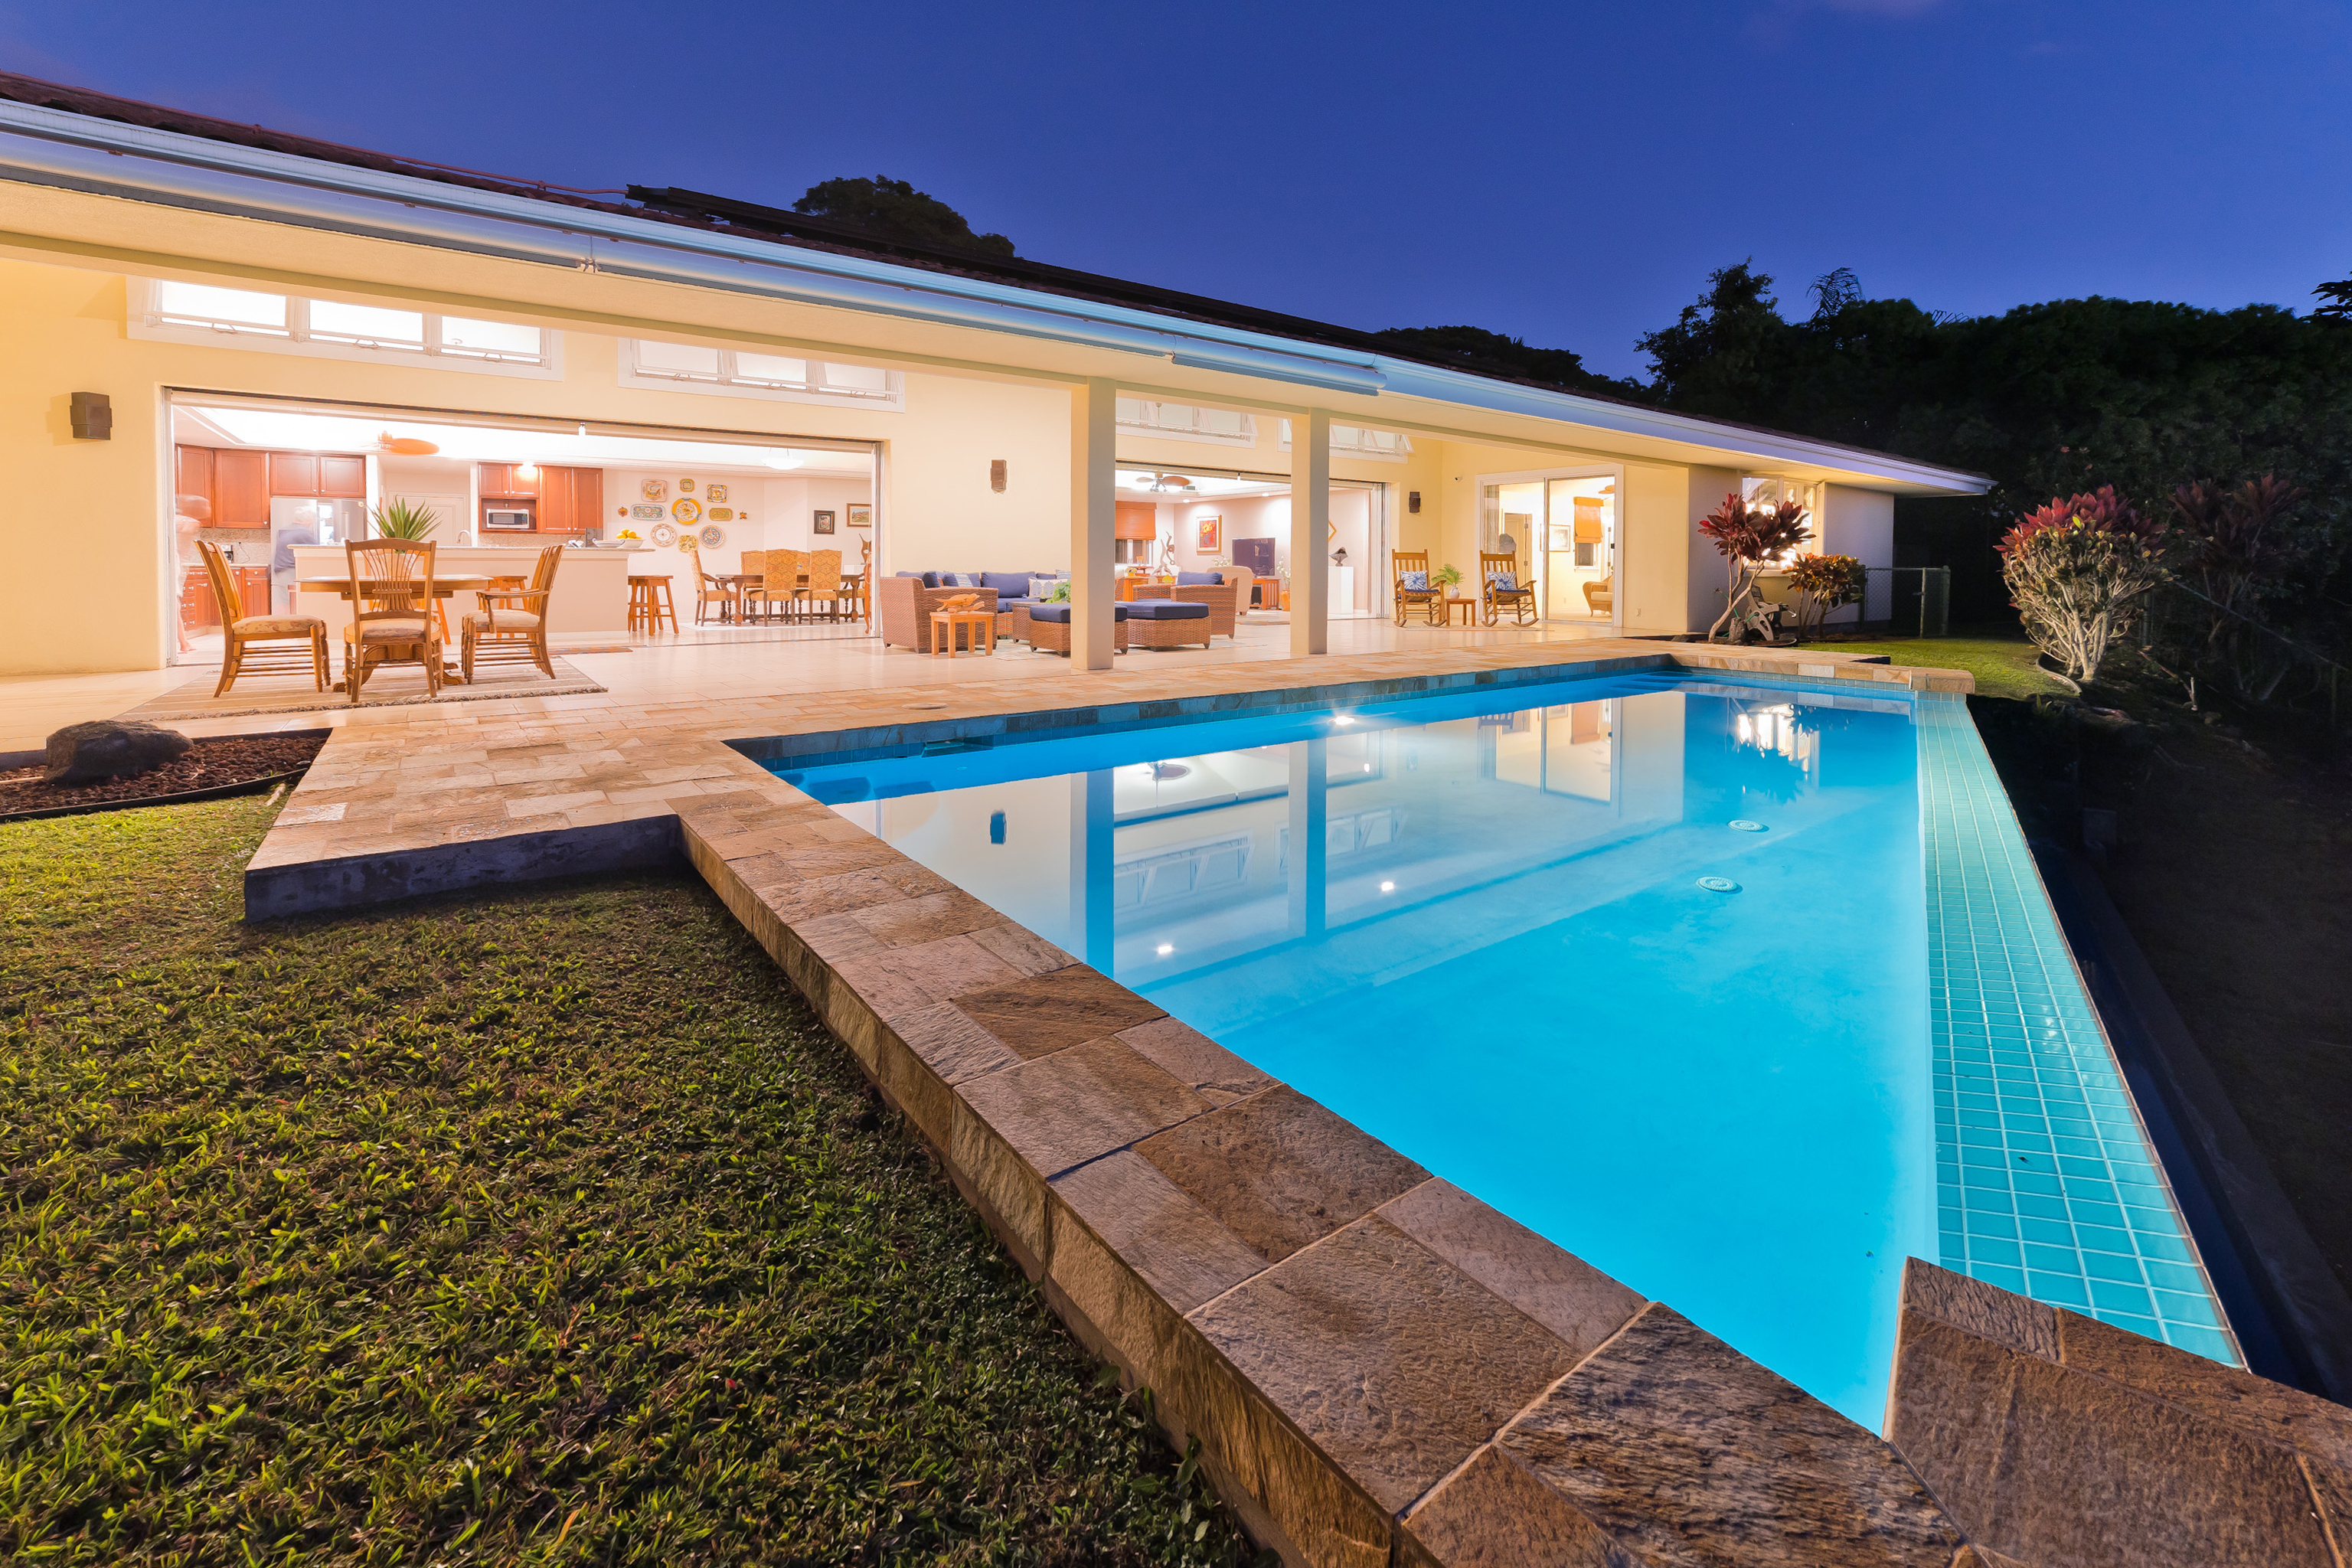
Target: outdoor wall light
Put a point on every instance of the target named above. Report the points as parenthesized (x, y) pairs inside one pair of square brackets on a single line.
[(1412, 501), (91, 416), (996, 476)]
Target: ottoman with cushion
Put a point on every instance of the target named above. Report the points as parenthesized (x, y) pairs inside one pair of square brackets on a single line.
[(1167, 623), (1047, 627)]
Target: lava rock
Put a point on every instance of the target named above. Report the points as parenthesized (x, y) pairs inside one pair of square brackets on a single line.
[(107, 748)]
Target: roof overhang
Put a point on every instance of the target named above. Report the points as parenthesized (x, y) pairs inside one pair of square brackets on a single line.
[(76, 152)]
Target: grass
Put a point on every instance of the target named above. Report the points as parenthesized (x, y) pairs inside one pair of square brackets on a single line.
[(545, 1227), (2003, 666)]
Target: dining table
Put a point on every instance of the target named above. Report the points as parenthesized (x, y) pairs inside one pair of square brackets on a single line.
[(443, 588), (744, 584)]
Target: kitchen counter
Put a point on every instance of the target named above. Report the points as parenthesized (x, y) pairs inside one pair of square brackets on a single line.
[(591, 597)]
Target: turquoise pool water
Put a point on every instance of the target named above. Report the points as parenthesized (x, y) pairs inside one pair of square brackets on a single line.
[(1742, 992)]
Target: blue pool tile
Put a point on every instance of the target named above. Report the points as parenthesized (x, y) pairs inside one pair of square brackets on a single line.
[(2062, 1289), (1996, 1274), (1987, 1249), (2210, 1342), (2114, 1296), (2184, 1307)]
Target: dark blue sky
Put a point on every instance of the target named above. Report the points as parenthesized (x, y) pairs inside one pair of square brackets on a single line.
[(1568, 174)]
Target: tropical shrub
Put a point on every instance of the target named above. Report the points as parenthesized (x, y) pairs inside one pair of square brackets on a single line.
[(1749, 537), (1829, 583), (2077, 570)]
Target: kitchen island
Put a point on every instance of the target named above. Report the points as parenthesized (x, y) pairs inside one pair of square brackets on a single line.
[(591, 598)]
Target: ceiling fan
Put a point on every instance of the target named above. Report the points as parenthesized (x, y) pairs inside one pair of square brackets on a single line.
[(406, 446)]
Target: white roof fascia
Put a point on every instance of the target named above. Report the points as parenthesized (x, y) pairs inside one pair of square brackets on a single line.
[(50, 147)]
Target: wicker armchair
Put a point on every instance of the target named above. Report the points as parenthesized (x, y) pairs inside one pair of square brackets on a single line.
[(906, 606), (240, 633), (510, 627)]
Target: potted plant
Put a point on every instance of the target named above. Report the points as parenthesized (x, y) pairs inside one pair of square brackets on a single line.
[(400, 518), (1448, 577)]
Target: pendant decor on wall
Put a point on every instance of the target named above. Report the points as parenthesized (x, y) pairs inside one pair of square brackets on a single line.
[(714, 492), (686, 487), (656, 490), (720, 514), (663, 536), (686, 510), (641, 512), (713, 537)]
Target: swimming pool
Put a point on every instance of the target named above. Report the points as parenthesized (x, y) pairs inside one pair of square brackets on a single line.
[(1741, 991)]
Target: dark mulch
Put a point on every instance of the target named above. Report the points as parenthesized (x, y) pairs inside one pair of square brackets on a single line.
[(211, 764)]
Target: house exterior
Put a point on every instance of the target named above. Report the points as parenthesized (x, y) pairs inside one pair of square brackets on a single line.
[(930, 410)]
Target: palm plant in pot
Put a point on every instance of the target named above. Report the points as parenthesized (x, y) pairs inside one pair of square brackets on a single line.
[(400, 518)]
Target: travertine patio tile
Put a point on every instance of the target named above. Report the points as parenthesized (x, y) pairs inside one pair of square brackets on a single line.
[(1062, 1110), (1191, 1058), (904, 980), (1684, 1451), (950, 912), (1394, 1362), (952, 1044), (545, 805), (1171, 1242), (1493, 1514), (1280, 1170), (1045, 1012), (1581, 1305), (1022, 948)]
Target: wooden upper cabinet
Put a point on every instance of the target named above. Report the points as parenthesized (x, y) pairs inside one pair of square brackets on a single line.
[(342, 475), (193, 472), (500, 481), (240, 488), (293, 473), (570, 500)]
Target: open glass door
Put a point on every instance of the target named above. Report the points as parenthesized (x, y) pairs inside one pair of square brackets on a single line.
[(1564, 531)]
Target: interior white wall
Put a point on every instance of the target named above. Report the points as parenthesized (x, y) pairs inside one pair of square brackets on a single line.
[(770, 513)]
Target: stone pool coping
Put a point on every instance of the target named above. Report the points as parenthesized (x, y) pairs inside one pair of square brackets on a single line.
[(1378, 1367)]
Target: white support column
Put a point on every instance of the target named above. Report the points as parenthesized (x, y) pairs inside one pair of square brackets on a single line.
[(1094, 517), (1310, 530)]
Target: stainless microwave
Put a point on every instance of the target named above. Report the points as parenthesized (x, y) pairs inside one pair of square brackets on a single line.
[(506, 520)]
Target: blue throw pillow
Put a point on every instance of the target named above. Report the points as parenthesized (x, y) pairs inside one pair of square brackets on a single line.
[(1196, 579), (1507, 582), (1416, 580)]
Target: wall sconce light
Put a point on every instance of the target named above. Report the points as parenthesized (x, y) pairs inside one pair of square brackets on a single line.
[(91, 416), (1412, 501), (996, 476)]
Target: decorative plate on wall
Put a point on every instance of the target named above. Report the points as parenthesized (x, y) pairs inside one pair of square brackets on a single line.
[(644, 513), (720, 514), (686, 510), (656, 490), (714, 492), (713, 537), (686, 487), (663, 536)]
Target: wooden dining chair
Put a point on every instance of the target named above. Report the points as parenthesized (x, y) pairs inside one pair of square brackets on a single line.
[(787, 568), (392, 610), (753, 582), (260, 644), (823, 583), (708, 589), (510, 626)]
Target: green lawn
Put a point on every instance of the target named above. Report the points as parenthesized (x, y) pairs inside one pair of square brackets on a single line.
[(545, 1227), (2003, 666)]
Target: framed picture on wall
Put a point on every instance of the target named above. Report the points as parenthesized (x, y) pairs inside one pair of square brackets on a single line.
[(861, 513), (1212, 535), (821, 521)]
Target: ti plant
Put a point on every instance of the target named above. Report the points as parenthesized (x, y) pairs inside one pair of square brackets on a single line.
[(2077, 570), (1749, 538), (1828, 583), (400, 518)]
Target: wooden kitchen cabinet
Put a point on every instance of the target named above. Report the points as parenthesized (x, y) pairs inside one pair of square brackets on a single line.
[(199, 610), (192, 473), (240, 488), (293, 473), (502, 482), (343, 475), (570, 500)]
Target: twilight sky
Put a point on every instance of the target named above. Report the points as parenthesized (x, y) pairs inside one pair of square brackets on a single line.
[(1567, 172)]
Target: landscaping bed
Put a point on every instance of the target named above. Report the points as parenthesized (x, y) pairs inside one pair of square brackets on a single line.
[(538, 1227), (210, 766)]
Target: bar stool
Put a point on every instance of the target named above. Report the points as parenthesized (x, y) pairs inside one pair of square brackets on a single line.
[(650, 604)]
